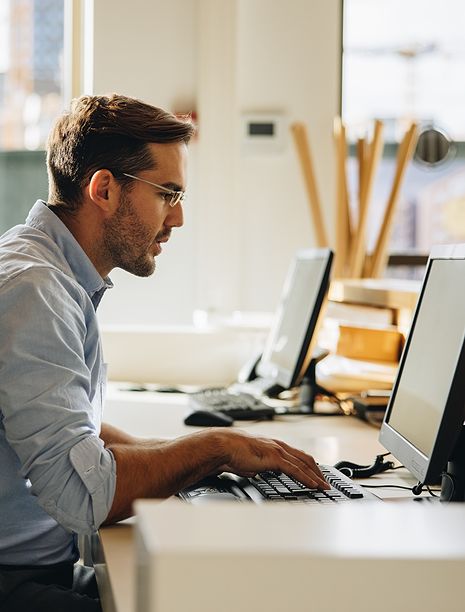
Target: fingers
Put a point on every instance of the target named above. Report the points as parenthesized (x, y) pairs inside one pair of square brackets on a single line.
[(252, 454), (301, 472), (297, 464), (305, 464)]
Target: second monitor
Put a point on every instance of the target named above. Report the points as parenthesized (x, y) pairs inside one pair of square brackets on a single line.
[(292, 338), (290, 343)]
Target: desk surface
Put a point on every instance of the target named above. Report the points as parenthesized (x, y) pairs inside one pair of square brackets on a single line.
[(328, 438)]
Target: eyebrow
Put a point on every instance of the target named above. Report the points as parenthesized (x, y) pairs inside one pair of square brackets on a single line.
[(172, 186)]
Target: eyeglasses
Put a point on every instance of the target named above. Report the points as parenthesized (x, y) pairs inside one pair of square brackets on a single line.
[(173, 196)]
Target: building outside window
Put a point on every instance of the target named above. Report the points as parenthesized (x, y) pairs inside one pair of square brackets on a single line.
[(404, 61), (31, 97)]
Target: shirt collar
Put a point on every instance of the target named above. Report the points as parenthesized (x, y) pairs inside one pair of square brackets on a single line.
[(42, 218)]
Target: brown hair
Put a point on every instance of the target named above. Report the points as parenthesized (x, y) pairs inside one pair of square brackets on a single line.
[(111, 132)]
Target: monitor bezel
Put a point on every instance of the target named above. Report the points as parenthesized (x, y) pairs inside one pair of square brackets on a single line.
[(284, 377), (427, 469)]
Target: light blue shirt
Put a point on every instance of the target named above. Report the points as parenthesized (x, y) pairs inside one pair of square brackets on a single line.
[(56, 477)]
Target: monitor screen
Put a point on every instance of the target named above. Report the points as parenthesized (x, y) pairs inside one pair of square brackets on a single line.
[(427, 406), (291, 340)]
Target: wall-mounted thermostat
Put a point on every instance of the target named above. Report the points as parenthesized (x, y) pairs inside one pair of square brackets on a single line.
[(263, 133)]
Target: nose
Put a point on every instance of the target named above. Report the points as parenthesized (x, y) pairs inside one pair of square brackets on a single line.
[(175, 217)]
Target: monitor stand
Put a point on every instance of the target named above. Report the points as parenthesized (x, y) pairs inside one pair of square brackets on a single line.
[(453, 479), (309, 388)]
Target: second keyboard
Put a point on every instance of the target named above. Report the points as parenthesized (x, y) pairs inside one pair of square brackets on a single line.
[(240, 406)]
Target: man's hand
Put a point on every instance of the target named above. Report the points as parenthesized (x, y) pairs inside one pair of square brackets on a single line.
[(250, 455)]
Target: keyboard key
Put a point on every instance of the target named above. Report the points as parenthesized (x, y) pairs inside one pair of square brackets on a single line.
[(333, 493), (355, 494)]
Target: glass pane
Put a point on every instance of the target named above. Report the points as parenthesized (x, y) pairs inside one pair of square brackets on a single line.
[(430, 209), (31, 96), (31, 58), (405, 61)]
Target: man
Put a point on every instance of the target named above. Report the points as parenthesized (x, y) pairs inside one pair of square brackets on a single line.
[(117, 175)]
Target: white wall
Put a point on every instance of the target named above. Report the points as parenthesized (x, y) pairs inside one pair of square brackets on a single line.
[(246, 214), (289, 55)]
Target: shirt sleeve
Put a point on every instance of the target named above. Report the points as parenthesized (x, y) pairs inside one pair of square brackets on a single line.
[(49, 368)]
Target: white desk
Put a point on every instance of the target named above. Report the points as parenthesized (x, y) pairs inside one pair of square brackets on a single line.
[(329, 439)]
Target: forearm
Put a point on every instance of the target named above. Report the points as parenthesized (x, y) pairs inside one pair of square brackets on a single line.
[(113, 435), (158, 469), (161, 468)]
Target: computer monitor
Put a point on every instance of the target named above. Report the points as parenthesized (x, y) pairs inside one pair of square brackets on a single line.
[(289, 346), (426, 411)]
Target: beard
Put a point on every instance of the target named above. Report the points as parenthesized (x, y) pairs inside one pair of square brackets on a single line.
[(127, 241)]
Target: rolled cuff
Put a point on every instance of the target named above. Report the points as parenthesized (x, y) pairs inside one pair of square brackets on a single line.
[(83, 509)]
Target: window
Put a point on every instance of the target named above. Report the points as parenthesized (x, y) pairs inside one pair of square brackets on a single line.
[(405, 61), (31, 96)]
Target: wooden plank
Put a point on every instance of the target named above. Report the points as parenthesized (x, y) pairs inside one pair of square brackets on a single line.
[(405, 153), (299, 133)]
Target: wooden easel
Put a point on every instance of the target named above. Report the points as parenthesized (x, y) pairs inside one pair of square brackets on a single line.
[(351, 259)]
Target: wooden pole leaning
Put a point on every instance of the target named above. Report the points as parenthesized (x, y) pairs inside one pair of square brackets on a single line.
[(365, 189), (362, 154), (404, 155), (299, 134), (343, 226)]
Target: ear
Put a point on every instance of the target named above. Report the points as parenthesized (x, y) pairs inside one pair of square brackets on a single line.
[(104, 191)]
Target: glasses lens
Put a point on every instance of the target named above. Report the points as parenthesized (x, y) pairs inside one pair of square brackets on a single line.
[(177, 198)]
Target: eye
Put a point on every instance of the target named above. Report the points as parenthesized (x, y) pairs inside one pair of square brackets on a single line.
[(166, 197)]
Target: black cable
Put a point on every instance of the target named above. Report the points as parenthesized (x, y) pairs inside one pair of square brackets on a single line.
[(386, 486), (385, 466)]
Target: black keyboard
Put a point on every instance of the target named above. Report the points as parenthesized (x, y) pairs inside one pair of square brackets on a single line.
[(274, 487), (279, 486), (238, 405)]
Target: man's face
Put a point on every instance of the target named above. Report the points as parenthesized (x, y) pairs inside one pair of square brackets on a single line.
[(133, 235)]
